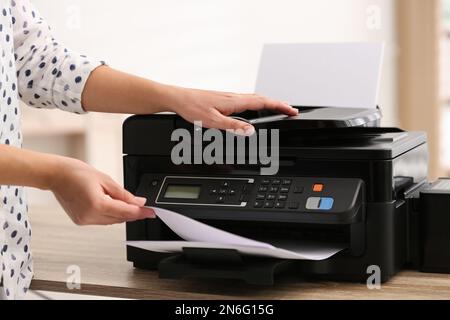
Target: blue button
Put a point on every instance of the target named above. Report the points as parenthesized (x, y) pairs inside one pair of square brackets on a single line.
[(326, 203)]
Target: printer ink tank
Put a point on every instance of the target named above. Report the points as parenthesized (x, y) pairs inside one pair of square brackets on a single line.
[(434, 227)]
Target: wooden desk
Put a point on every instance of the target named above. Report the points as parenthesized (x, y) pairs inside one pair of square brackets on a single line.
[(100, 253)]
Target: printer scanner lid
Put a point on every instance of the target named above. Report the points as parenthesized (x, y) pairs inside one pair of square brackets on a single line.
[(315, 118)]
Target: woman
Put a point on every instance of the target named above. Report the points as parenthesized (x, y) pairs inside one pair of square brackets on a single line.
[(42, 73)]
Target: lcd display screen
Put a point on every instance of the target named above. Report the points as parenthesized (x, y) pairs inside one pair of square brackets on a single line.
[(182, 192)]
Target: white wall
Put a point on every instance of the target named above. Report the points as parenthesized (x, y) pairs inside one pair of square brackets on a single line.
[(212, 44)]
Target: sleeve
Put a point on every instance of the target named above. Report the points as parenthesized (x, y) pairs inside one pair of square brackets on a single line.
[(48, 74)]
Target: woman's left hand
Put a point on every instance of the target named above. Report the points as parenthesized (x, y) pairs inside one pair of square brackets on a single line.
[(214, 108)]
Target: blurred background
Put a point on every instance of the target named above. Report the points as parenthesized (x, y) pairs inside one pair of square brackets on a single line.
[(217, 45)]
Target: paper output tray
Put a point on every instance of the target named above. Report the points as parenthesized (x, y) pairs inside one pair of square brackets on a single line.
[(222, 264)]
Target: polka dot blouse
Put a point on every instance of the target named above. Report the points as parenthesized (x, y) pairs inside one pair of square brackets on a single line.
[(37, 69)]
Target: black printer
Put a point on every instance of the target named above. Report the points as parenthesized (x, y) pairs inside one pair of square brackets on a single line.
[(341, 179)]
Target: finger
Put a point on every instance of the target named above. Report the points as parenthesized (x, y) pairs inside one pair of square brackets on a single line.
[(125, 212), (220, 121), (115, 191), (255, 102)]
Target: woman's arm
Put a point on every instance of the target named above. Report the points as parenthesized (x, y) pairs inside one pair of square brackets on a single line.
[(49, 75), (25, 168), (108, 90), (87, 195)]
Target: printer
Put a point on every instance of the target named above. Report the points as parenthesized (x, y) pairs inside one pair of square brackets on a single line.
[(342, 178)]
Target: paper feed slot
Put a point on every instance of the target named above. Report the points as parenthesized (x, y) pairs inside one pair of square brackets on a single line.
[(198, 236)]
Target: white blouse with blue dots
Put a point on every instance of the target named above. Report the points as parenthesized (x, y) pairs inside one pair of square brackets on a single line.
[(38, 70)]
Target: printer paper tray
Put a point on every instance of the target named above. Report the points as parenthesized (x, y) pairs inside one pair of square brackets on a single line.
[(304, 251)]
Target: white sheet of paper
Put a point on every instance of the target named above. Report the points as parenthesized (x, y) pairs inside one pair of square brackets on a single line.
[(322, 74), (303, 252), (199, 235), (192, 230)]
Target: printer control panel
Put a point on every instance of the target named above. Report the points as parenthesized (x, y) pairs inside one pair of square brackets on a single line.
[(260, 194)]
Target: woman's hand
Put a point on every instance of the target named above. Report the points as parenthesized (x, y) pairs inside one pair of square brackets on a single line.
[(214, 108), (92, 198), (88, 196)]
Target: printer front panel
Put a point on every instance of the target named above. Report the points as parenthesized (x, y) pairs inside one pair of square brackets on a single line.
[(345, 193), (257, 198)]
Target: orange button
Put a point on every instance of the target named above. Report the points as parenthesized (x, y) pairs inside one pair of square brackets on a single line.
[(318, 187)]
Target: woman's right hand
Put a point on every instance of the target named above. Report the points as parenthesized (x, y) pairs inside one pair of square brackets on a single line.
[(90, 197)]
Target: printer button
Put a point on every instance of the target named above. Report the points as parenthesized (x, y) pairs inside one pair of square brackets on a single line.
[(313, 203), (284, 189), (274, 189), (258, 204), (271, 197), (318, 187), (326, 204), (260, 196), (154, 183), (280, 205), (269, 204)]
